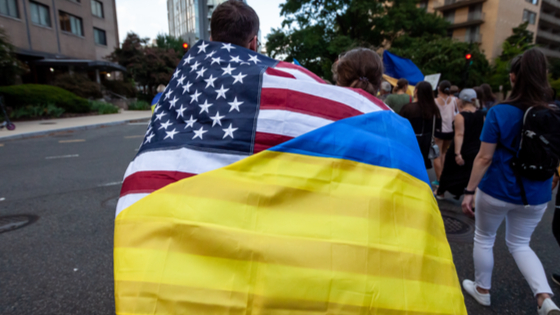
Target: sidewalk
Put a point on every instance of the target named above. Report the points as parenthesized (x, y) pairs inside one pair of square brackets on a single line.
[(27, 129)]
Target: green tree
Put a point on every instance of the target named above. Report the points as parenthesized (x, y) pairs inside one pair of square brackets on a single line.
[(166, 41), (10, 66), (315, 32)]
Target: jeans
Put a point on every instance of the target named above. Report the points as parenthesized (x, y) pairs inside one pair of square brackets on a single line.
[(520, 224)]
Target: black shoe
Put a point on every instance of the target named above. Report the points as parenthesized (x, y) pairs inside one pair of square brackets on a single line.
[(556, 278)]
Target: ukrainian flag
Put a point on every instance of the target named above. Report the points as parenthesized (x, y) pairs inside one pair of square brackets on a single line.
[(341, 220)]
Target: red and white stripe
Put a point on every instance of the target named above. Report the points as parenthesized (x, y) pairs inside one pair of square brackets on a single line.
[(293, 101)]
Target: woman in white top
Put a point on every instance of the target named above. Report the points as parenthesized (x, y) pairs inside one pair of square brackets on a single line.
[(447, 105)]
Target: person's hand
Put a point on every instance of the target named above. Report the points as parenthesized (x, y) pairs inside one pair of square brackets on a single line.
[(467, 205), (459, 160)]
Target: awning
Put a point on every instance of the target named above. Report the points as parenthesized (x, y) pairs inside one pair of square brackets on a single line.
[(96, 64)]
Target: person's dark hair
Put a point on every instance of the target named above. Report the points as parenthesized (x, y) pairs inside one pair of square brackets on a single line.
[(488, 95), (445, 87), (402, 85), (426, 101), (360, 68), (480, 96), (531, 86), (234, 22), (454, 89)]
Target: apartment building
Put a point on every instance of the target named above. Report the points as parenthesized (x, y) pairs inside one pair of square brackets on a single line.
[(489, 22), (62, 35)]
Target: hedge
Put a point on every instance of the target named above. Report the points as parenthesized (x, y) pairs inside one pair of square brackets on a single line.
[(17, 96)]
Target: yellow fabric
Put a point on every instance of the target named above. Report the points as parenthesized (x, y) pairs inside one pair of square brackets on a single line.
[(393, 82), (283, 233)]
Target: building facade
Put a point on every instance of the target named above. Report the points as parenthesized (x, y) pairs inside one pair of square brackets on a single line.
[(52, 35), (489, 22)]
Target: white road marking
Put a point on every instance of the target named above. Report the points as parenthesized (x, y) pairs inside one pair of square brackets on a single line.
[(111, 184), (134, 137), (62, 157), (139, 123), (2, 199), (72, 141)]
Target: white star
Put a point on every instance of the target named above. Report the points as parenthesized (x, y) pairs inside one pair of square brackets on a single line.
[(254, 59), (173, 102), (168, 94), (210, 81), (160, 116), (210, 55), (217, 119), (202, 47), (228, 47), (228, 70), (149, 130), (165, 125), (229, 131), (198, 133), (235, 59), (235, 105), (195, 96), (204, 107), (216, 60), (190, 122), (244, 63), (195, 66), (149, 138), (221, 92), (176, 74), (239, 78), (201, 72), (180, 111), (188, 60), (187, 87), (181, 80), (171, 134), (158, 106)]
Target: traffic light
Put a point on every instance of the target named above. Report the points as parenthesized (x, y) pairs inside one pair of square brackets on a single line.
[(185, 47), (468, 56)]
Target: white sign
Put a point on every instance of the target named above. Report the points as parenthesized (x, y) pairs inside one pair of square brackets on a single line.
[(433, 79)]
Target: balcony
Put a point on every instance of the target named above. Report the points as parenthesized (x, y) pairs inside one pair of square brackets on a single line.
[(473, 38), (549, 36), (550, 53), (550, 19), (455, 4), (552, 3), (475, 18)]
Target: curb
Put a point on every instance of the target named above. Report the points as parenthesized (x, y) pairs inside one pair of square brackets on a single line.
[(77, 128)]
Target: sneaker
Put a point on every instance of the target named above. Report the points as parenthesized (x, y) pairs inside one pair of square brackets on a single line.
[(556, 278), (548, 308), (435, 183), (483, 299)]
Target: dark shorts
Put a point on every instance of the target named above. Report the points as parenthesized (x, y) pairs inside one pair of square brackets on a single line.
[(444, 135)]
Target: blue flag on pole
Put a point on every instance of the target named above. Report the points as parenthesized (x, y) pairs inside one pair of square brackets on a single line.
[(398, 67)]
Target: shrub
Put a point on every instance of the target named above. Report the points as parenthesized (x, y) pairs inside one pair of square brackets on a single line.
[(124, 88), (79, 84), (103, 108), (17, 96), (37, 111), (139, 105)]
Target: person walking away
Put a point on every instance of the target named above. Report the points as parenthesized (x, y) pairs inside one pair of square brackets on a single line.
[(454, 90), (489, 98), (447, 105), (465, 145), (360, 68), (385, 90), (423, 115), (397, 100), (160, 90), (479, 97), (499, 193)]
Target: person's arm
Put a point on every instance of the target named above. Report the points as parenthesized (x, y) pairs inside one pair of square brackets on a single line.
[(459, 136), (481, 164)]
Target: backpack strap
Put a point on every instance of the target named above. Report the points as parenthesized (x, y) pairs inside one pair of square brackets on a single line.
[(522, 187)]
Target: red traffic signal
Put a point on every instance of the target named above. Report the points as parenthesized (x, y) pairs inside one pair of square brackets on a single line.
[(185, 46), (468, 57)]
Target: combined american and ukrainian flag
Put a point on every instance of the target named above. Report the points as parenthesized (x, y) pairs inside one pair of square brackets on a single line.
[(261, 190)]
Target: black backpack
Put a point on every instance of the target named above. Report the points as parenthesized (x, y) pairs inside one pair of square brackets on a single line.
[(538, 156)]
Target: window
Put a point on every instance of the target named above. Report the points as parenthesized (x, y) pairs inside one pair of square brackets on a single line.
[(423, 4), (535, 2), (529, 16), (40, 14), (100, 36), (71, 24), (9, 8), (449, 16), (97, 8)]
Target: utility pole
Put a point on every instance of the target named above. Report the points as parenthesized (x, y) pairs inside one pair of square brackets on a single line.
[(203, 22)]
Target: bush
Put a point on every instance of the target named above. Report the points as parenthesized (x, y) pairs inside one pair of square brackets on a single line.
[(79, 84), (103, 108), (124, 88), (140, 105), (37, 111), (17, 96)]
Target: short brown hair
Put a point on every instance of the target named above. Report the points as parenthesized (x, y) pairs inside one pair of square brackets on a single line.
[(360, 68), (234, 22)]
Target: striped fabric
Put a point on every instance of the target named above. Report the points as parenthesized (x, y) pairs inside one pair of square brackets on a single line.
[(291, 101), (341, 220)]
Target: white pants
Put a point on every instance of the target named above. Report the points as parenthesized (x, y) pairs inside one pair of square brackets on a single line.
[(520, 224)]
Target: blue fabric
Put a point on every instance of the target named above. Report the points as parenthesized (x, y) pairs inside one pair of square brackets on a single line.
[(398, 68), (381, 139), (156, 98), (503, 127), (296, 62)]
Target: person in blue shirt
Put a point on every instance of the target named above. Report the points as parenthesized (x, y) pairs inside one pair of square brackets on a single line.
[(498, 197), (160, 90)]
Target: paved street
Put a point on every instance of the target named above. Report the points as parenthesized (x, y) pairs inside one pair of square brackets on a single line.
[(62, 263)]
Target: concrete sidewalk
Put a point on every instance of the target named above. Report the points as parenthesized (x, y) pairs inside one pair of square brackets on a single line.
[(27, 129)]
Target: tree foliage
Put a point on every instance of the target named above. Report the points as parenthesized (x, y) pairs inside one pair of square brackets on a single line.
[(10, 66), (166, 41)]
